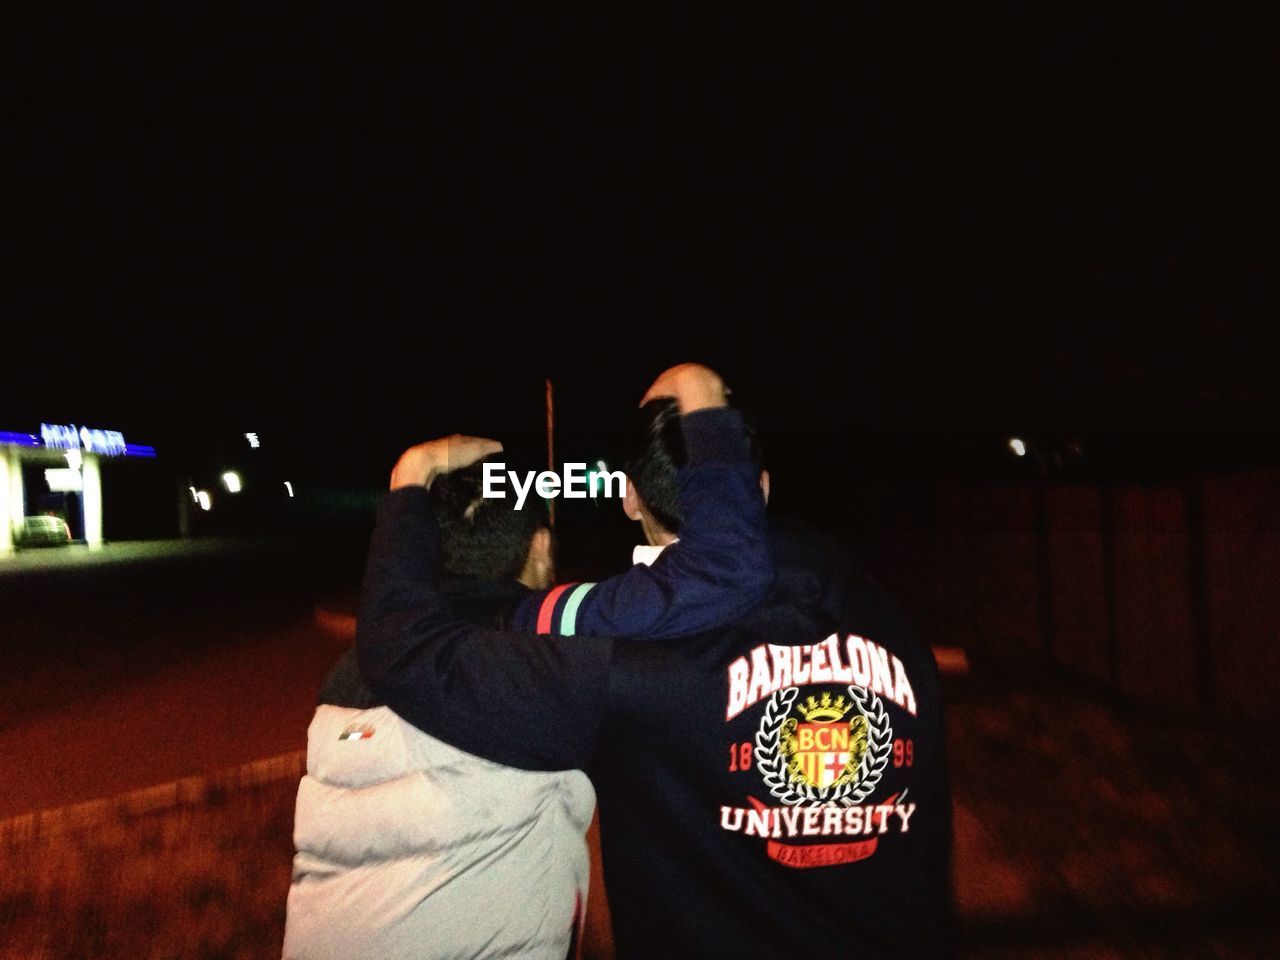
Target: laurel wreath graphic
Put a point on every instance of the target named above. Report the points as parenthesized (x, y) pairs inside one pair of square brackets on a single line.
[(772, 765)]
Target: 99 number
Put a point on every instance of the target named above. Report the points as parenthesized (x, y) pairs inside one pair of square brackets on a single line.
[(904, 753)]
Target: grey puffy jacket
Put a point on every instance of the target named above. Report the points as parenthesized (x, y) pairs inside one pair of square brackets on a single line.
[(409, 848)]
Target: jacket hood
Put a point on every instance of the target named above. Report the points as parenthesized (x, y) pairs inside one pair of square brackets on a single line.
[(810, 568)]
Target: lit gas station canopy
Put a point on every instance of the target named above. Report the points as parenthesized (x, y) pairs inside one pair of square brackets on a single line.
[(76, 451)]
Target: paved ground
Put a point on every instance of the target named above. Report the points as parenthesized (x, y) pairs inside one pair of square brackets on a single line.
[(141, 666), (19, 563), (1091, 829)]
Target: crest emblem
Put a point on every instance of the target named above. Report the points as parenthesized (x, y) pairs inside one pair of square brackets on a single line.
[(825, 749)]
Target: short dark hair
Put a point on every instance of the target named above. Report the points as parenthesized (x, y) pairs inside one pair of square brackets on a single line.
[(484, 538), (655, 455)]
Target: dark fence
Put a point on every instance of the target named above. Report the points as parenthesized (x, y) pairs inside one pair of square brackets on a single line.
[(1165, 592)]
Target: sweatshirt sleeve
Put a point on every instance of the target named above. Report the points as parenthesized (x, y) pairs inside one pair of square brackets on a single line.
[(533, 703), (719, 569)]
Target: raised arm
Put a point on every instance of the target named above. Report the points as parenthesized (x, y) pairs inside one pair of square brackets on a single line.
[(720, 569), (528, 702)]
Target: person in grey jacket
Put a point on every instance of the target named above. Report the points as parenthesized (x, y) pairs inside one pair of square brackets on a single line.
[(409, 847)]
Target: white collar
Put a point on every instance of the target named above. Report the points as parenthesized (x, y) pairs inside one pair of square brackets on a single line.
[(647, 553)]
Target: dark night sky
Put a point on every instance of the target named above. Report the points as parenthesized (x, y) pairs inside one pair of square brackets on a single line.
[(331, 227)]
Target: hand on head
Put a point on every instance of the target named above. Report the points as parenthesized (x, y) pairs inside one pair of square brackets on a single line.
[(420, 464), (691, 385)]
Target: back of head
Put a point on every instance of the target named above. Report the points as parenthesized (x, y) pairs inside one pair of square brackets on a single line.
[(655, 455), (484, 539)]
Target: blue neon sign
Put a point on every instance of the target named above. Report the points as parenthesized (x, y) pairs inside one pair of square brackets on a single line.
[(108, 443), (68, 436)]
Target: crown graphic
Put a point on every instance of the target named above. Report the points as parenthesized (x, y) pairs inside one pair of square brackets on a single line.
[(824, 710)]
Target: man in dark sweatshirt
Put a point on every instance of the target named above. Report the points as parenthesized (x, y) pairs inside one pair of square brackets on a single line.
[(767, 788)]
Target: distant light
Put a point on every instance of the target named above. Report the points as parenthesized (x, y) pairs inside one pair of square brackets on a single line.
[(1018, 447), (231, 480), (203, 498), (74, 459), (195, 494), (253, 440), (288, 487), (64, 480), (595, 478)]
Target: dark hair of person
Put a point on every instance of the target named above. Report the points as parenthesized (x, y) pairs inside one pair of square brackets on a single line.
[(487, 539), (655, 455)]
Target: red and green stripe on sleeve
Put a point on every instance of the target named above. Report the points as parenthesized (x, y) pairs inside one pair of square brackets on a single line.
[(558, 613)]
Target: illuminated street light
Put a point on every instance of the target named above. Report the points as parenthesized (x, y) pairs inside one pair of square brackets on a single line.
[(1018, 447), (231, 480), (205, 501), (253, 440), (288, 487), (595, 478)]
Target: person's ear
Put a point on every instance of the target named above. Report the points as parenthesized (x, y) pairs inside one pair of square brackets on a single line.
[(631, 502), (539, 566), (764, 485)]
